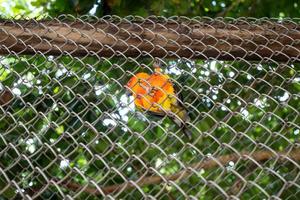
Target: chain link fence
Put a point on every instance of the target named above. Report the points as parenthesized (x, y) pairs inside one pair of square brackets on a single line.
[(69, 130)]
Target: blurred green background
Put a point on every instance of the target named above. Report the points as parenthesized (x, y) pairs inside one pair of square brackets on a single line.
[(236, 8), (69, 118)]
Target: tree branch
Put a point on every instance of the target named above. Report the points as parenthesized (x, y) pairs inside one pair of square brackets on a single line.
[(238, 184), (188, 39), (209, 163), (233, 5)]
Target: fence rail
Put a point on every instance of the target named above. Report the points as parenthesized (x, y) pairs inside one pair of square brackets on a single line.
[(68, 128)]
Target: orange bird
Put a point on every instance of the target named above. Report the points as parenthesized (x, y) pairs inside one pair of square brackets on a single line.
[(155, 94)]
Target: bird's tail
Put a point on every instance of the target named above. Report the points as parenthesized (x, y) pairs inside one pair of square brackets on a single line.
[(187, 132)]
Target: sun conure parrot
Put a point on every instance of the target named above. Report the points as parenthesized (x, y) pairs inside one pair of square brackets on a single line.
[(156, 95)]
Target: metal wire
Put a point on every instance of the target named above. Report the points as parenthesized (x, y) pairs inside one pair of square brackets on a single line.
[(68, 129)]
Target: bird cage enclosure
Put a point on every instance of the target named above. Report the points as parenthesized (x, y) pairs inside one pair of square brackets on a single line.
[(69, 130)]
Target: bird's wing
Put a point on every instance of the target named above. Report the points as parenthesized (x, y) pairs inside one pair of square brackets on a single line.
[(158, 114), (178, 93)]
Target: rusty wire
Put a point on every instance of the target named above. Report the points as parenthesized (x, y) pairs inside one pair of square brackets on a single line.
[(68, 130)]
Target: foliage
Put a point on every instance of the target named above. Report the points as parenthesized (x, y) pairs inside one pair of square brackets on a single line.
[(190, 8)]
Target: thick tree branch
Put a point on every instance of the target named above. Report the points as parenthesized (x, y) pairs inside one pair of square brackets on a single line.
[(189, 39), (209, 163)]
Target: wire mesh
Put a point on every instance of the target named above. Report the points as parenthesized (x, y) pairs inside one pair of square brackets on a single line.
[(69, 130)]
